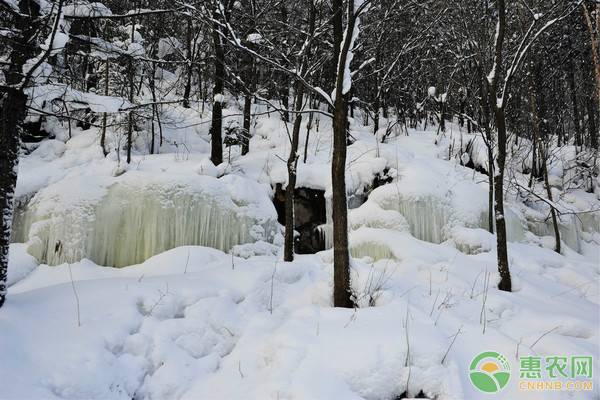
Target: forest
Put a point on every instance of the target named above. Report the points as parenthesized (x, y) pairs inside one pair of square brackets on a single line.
[(313, 199)]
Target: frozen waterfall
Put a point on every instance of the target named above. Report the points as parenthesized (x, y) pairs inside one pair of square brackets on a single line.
[(128, 221)]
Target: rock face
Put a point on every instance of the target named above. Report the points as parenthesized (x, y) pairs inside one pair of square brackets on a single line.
[(309, 214)]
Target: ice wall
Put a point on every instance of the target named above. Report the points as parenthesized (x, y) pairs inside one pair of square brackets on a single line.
[(136, 217), (572, 228), (428, 217)]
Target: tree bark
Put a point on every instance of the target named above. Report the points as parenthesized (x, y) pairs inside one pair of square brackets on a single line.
[(292, 164), (188, 79), (216, 150), (500, 118), (249, 82), (501, 239), (13, 102), (552, 210), (12, 106), (576, 118), (594, 33), (592, 129), (104, 115), (342, 296)]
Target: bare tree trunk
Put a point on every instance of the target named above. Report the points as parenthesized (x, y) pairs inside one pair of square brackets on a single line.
[(130, 116), (342, 296), (500, 117), (12, 106), (249, 81), (13, 102), (308, 128), (376, 107), (552, 210), (535, 125), (576, 120), (216, 151), (501, 239), (131, 69), (247, 119), (594, 33), (154, 110), (592, 129), (188, 78), (292, 164), (104, 115)]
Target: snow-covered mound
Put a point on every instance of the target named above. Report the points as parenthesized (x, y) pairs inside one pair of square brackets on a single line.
[(195, 323), (126, 220)]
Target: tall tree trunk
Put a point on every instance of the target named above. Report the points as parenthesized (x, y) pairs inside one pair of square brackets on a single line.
[(12, 106), (576, 120), (594, 31), (284, 88), (342, 296), (130, 122), (131, 70), (154, 107), (535, 121), (376, 107), (500, 118), (216, 150), (249, 82), (292, 164), (592, 129), (247, 120), (104, 115), (552, 210), (501, 239), (490, 154), (308, 129), (13, 102), (189, 71)]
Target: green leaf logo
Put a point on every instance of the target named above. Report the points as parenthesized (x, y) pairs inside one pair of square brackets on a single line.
[(489, 372)]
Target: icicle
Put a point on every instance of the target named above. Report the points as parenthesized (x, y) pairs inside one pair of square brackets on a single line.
[(133, 222), (376, 251), (515, 232), (426, 216)]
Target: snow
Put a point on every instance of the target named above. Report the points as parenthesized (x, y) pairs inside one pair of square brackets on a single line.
[(20, 263), (179, 320), (42, 96), (84, 9), (196, 323), (255, 38)]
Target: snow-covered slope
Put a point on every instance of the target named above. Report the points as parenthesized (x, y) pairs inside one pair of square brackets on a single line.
[(197, 323)]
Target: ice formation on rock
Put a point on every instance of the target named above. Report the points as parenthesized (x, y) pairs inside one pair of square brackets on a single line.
[(426, 217), (572, 228), (127, 220)]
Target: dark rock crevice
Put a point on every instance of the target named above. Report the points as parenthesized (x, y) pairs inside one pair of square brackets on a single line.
[(309, 214)]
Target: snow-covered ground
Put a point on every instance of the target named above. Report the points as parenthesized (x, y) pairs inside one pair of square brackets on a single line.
[(199, 323)]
